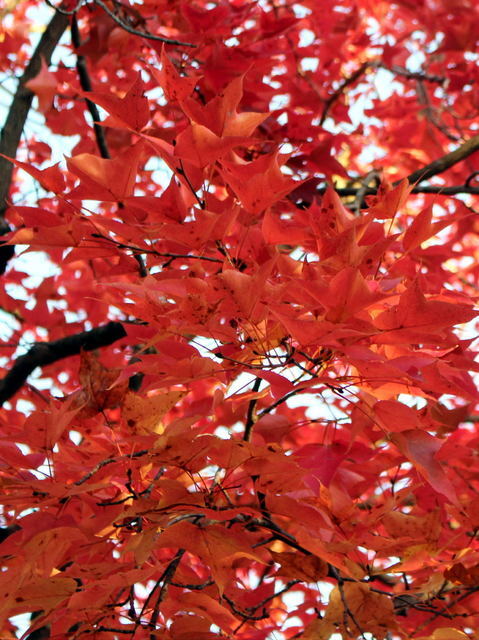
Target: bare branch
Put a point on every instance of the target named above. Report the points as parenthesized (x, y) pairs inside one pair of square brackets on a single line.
[(340, 90), (44, 353), (85, 84), (65, 12), (426, 189), (411, 75), (22, 101), (445, 162), (251, 419), (16, 117), (136, 32)]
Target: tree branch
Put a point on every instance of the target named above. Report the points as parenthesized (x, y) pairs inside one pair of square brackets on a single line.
[(410, 75), (22, 101), (44, 353), (340, 90), (250, 418), (16, 117), (428, 171), (427, 189), (136, 32), (85, 84), (445, 162)]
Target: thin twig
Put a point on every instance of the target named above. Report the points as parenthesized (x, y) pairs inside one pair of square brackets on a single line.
[(107, 461), (250, 418), (65, 12), (161, 254), (164, 580), (136, 32), (340, 90), (411, 75), (181, 171), (86, 85)]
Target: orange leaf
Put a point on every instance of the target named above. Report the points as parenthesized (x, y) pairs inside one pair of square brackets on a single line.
[(390, 200), (214, 544), (358, 605), (301, 567), (415, 310), (203, 604), (51, 178), (460, 574), (176, 87), (200, 146), (103, 179), (43, 594), (421, 448)]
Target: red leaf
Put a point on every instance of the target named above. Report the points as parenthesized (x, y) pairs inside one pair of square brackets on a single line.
[(421, 448), (44, 86), (260, 183), (130, 111)]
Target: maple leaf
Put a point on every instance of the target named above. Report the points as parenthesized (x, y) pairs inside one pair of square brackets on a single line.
[(143, 415), (372, 612), (44, 86), (130, 111), (417, 315), (99, 391), (220, 114), (51, 178), (200, 146), (421, 448), (103, 179), (294, 398), (310, 568), (260, 183), (390, 200), (175, 86)]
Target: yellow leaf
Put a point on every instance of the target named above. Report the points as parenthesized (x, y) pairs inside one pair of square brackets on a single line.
[(143, 415), (446, 633)]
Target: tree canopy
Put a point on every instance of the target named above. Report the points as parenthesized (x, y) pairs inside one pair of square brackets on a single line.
[(238, 376)]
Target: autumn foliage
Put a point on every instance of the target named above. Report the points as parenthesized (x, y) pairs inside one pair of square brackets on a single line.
[(253, 312)]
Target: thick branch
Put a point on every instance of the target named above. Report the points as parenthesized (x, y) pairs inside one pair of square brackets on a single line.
[(15, 121), (43, 353), (445, 162), (428, 171), (22, 101), (428, 189)]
